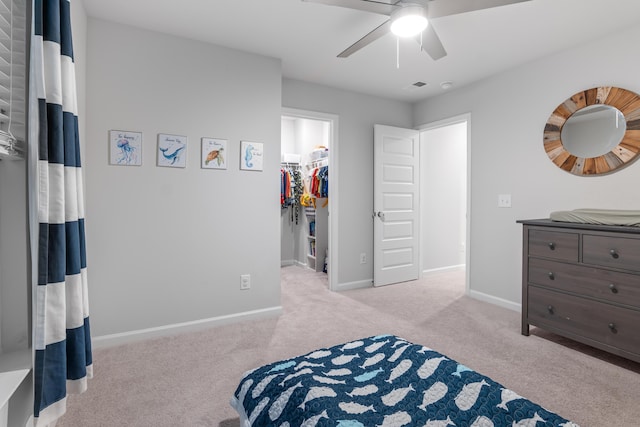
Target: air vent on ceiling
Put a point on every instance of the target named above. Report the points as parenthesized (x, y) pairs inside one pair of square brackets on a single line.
[(415, 86)]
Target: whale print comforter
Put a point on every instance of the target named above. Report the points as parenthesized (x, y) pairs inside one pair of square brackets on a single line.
[(381, 381)]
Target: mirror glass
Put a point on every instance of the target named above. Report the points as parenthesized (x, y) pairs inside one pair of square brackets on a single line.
[(593, 131)]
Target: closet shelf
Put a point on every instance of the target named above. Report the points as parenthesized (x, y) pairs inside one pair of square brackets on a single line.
[(318, 163), (14, 368)]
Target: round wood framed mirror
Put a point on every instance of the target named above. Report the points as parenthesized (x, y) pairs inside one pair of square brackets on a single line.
[(594, 132)]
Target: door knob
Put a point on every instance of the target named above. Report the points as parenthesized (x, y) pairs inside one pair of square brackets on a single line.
[(381, 215)]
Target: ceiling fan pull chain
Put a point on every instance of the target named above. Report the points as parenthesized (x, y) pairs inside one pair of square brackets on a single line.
[(398, 53)]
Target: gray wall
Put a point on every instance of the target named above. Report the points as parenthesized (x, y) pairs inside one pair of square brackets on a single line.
[(168, 245), (508, 114), (14, 284), (354, 152)]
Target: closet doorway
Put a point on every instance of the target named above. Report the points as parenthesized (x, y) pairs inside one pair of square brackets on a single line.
[(445, 189), (309, 169)]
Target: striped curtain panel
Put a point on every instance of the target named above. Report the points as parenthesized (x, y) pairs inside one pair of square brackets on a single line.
[(61, 340)]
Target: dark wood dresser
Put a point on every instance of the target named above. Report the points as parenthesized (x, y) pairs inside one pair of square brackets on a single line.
[(582, 281)]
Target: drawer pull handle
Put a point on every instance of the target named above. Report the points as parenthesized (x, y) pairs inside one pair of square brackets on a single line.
[(612, 327), (614, 254), (613, 289), (550, 309), (551, 275), (552, 246)]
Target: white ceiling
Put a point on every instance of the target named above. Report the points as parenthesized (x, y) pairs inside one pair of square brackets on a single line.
[(308, 36)]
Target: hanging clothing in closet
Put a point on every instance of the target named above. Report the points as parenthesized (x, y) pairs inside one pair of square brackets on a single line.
[(291, 188), (319, 182)]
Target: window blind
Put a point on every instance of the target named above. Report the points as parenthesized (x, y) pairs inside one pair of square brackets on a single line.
[(13, 77)]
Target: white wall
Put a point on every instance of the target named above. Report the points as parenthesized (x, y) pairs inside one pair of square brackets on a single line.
[(443, 181), (508, 114), (168, 245), (357, 115)]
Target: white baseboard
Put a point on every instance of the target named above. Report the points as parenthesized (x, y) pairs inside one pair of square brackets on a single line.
[(433, 271), (354, 285), (495, 300), (196, 325), (290, 262)]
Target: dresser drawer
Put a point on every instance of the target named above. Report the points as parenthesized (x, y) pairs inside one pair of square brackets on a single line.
[(618, 252), (613, 286), (554, 244), (607, 324)]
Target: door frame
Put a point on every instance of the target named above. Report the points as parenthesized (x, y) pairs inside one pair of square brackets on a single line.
[(332, 243), (462, 118)]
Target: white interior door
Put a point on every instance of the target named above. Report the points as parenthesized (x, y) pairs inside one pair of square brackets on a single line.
[(396, 205)]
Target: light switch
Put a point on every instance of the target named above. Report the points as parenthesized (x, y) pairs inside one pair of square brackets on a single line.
[(504, 200)]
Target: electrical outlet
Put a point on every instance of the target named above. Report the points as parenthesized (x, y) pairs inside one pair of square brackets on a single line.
[(245, 281), (363, 258), (504, 200)]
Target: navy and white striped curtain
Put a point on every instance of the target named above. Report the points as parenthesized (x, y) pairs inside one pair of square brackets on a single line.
[(61, 339)]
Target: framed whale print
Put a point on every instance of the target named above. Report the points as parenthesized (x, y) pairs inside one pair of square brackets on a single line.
[(172, 150)]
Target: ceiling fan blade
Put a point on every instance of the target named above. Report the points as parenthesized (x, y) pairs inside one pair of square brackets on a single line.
[(365, 5), (369, 38), (439, 8), (431, 43)]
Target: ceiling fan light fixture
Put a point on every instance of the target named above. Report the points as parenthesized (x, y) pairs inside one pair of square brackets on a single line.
[(409, 21)]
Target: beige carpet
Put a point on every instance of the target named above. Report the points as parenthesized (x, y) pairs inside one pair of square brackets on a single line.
[(186, 380)]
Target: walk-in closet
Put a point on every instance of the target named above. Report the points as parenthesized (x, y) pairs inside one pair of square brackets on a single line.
[(304, 193)]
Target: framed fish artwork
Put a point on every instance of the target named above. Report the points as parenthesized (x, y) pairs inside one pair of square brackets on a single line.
[(214, 153), (125, 148), (251, 156), (172, 150)]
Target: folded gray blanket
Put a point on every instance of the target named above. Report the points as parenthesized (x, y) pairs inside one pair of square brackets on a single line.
[(598, 216)]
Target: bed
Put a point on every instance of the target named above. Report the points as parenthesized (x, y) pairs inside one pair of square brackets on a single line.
[(380, 381)]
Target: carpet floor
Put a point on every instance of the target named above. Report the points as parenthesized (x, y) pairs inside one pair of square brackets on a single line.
[(187, 379)]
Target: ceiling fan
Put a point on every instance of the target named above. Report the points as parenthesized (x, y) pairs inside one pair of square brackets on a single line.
[(411, 12)]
